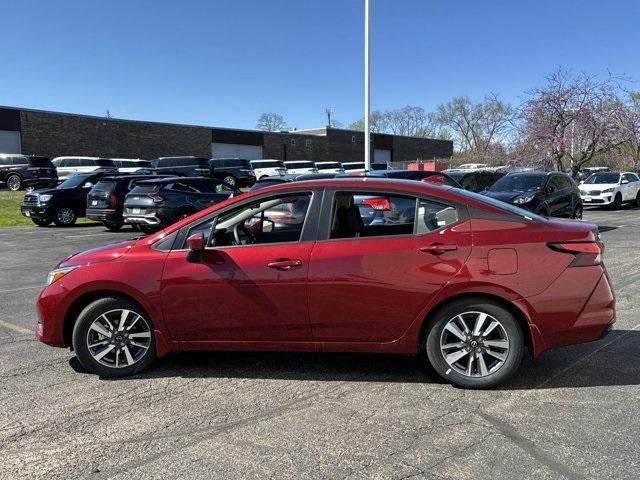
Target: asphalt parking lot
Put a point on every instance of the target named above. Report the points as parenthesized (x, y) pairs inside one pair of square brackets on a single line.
[(573, 413)]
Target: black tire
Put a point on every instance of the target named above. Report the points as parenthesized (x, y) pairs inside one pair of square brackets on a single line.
[(14, 182), (509, 326), (81, 336), (65, 217), (41, 222), (617, 202), (231, 180), (577, 212), (113, 226), (636, 203)]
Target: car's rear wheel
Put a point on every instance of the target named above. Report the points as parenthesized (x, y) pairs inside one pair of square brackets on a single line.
[(474, 343), (617, 202), (14, 182), (41, 222), (230, 179), (637, 201), (113, 226), (64, 217), (577, 212), (113, 337)]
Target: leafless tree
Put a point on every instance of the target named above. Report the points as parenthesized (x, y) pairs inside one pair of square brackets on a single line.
[(271, 122)]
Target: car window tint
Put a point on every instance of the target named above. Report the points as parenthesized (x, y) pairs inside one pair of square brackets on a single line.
[(469, 183), (72, 162), (433, 216), (367, 214), (271, 220), (182, 187), (18, 160)]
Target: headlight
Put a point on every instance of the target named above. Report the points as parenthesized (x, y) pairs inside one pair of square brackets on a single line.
[(608, 190), (523, 199), (44, 198), (58, 273)]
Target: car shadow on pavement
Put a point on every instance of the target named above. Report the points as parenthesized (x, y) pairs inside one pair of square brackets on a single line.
[(611, 361)]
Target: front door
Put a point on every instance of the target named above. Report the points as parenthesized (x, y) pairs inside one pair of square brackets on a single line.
[(374, 276), (251, 283)]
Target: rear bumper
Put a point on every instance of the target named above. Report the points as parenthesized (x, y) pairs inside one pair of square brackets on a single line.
[(104, 215), (145, 219)]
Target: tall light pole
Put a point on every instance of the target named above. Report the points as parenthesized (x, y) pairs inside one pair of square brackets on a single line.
[(367, 96)]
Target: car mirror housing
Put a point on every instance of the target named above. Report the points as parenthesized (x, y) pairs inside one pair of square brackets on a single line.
[(195, 245), (624, 181)]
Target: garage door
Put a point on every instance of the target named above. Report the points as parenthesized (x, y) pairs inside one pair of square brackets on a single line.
[(231, 150), (9, 142), (382, 156)]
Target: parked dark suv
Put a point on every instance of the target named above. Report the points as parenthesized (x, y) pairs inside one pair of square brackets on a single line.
[(182, 166), (63, 204), (157, 203), (105, 201), (552, 194), (477, 180), (234, 171), (18, 171)]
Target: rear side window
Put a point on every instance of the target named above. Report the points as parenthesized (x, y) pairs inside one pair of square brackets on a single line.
[(433, 216), (19, 161), (367, 214), (104, 162), (182, 187), (72, 162)]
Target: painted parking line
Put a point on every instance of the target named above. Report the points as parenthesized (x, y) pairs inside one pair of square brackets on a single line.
[(16, 328), (21, 288)]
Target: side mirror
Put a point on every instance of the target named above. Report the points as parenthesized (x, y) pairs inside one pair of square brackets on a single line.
[(195, 245), (624, 181), (87, 185), (267, 226)]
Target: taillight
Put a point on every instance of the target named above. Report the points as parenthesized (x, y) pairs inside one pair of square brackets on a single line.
[(155, 198), (377, 203), (111, 198), (586, 253)]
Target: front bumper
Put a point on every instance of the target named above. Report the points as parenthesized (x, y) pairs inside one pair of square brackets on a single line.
[(38, 212), (602, 199)]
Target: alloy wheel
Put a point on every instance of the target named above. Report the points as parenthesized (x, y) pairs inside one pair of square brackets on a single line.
[(577, 214), (230, 180), (119, 338), (65, 216), (14, 183), (474, 344)]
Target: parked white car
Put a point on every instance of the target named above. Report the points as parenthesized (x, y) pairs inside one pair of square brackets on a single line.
[(610, 188), (353, 167), (69, 166), (131, 165), (329, 167), (300, 167), (268, 168)]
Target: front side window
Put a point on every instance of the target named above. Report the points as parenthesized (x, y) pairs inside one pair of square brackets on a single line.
[(366, 214), (271, 220)]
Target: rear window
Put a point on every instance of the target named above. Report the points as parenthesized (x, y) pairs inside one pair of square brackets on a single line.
[(40, 162), (148, 188), (274, 164), (299, 164), (105, 185)]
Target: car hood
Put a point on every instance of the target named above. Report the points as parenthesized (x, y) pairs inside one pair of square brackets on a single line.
[(506, 196), (105, 253), (597, 186)]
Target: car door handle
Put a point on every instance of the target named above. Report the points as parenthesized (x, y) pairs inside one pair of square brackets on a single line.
[(438, 248), (284, 264)]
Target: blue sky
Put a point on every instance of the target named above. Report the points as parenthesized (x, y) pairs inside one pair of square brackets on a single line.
[(222, 63)]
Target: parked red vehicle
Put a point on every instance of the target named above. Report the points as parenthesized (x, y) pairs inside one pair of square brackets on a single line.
[(469, 280)]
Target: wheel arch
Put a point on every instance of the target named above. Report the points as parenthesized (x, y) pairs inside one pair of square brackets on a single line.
[(519, 315)]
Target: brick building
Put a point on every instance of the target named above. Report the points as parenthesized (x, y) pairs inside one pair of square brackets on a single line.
[(55, 134)]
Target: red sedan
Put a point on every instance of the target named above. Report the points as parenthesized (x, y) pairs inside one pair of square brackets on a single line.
[(340, 265)]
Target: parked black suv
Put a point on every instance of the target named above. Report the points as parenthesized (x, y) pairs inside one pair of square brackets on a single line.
[(552, 194), (18, 171), (181, 166), (476, 180), (234, 171), (63, 204), (156, 203), (105, 201)]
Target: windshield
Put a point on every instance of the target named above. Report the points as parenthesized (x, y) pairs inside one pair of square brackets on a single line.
[(518, 183), (74, 181), (328, 166), (353, 166), (274, 164), (299, 164), (603, 178)]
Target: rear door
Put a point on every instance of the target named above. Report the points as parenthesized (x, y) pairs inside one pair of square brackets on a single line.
[(556, 198), (368, 283)]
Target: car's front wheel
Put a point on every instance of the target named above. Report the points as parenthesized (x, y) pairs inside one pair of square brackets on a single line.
[(65, 217), (113, 337), (577, 212), (230, 179), (14, 182), (637, 201), (617, 202), (474, 343)]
